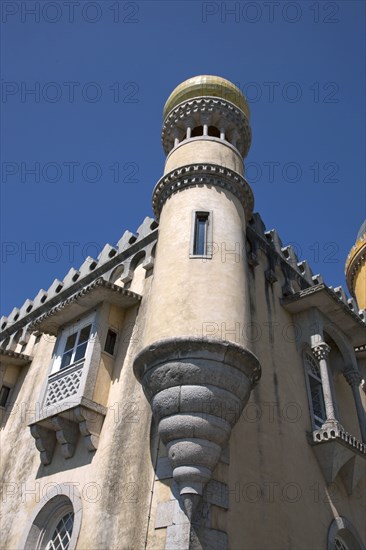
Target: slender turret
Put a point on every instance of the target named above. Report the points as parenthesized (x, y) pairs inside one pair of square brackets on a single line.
[(196, 368)]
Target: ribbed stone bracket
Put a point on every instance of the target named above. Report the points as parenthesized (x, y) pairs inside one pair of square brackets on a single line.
[(197, 390), (65, 428), (45, 442), (66, 434), (90, 425)]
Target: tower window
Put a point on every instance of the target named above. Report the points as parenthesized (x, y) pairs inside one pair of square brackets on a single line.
[(4, 395), (197, 131), (213, 131), (110, 342), (200, 234), (201, 242)]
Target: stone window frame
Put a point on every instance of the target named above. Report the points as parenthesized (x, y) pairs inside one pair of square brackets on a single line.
[(209, 234), (58, 501), (343, 529)]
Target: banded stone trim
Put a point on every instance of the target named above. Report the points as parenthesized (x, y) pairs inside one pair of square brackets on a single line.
[(192, 175)]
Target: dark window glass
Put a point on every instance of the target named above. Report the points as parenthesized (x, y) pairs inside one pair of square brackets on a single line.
[(317, 400), (200, 236), (66, 359), (75, 347), (110, 342), (70, 342), (4, 394), (213, 131)]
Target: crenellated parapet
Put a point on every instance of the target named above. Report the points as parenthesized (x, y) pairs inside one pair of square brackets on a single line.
[(298, 275), (111, 265)]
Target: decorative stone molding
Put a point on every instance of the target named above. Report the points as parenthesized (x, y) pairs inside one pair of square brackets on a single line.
[(326, 300), (352, 376), (321, 351), (221, 112), (9, 357), (80, 302), (197, 390), (253, 259), (333, 432), (192, 175), (270, 276)]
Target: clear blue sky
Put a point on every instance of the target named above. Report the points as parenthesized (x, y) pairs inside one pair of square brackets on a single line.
[(102, 72)]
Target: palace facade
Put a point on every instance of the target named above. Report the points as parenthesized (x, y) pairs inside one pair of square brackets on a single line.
[(196, 386)]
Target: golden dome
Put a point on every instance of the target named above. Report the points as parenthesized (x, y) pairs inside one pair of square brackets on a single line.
[(206, 85), (356, 268)]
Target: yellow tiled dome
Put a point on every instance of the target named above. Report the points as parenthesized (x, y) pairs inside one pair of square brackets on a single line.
[(206, 85)]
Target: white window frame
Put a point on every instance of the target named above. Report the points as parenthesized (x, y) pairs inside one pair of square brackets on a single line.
[(65, 333)]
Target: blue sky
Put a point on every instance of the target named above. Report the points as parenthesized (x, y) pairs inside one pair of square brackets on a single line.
[(101, 72)]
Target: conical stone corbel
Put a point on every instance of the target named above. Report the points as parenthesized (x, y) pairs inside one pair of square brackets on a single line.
[(197, 390)]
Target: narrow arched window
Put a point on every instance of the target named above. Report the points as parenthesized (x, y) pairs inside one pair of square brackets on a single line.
[(315, 389)]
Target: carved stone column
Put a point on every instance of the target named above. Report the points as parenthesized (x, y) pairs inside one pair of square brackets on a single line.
[(321, 352), (353, 378)]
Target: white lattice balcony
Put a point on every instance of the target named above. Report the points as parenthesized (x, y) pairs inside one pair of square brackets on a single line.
[(74, 396), (64, 384)]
